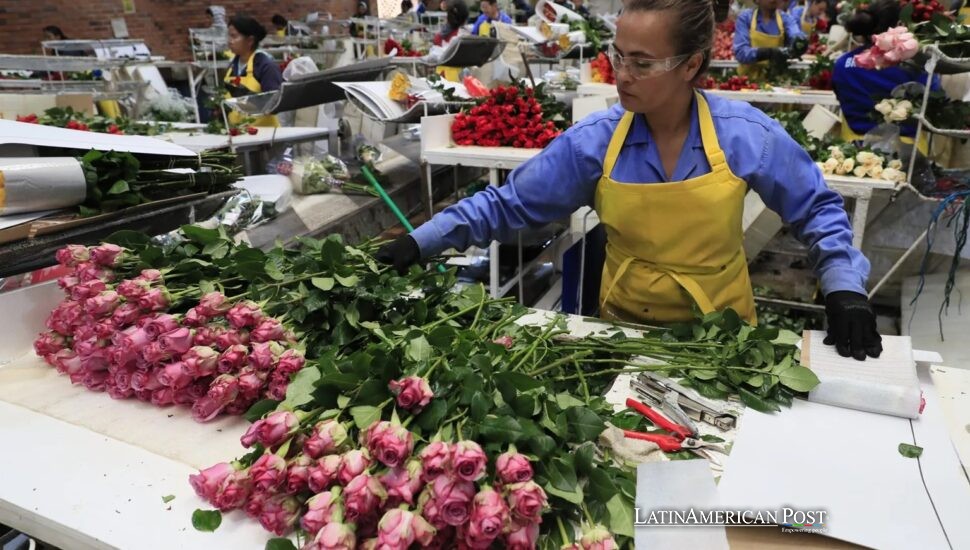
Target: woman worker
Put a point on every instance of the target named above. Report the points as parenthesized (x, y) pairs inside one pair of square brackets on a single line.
[(858, 89), (490, 14), (251, 68), (667, 170), (456, 18), (808, 16), (763, 35)]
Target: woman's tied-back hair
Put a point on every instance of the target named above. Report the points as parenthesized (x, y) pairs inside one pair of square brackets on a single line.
[(694, 32)]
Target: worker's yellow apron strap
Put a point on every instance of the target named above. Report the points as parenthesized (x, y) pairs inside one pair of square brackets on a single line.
[(759, 69), (109, 108), (808, 27), (249, 82)]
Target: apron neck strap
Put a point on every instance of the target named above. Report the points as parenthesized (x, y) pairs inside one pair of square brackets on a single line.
[(754, 22), (712, 147), (778, 21), (616, 143)]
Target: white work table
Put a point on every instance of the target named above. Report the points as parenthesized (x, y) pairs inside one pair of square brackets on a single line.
[(246, 144)]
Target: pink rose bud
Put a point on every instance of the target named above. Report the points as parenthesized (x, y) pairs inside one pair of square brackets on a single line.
[(108, 255), (322, 509), (105, 329), (193, 318), (363, 495), (233, 359), (155, 299), (424, 532), (228, 338), (213, 304), (244, 314), (88, 289), (489, 518), (396, 530), (161, 324), (234, 491), (174, 376), (133, 289), (67, 282), (264, 354), (352, 464), (155, 354), (328, 436), (89, 271), (125, 315), (200, 361), (150, 274), (454, 499), (279, 514), (206, 336), (254, 503), (522, 537), (513, 467), (277, 386), (49, 343), (143, 380), (72, 255), (334, 536), (468, 460), (102, 304), (505, 341), (132, 338), (268, 330), (251, 382), (223, 391), (67, 362), (390, 444), (431, 510), (324, 472), (597, 538), (163, 397), (403, 483), (413, 393), (268, 472), (435, 460), (290, 362), (272, 430), (177, 342), (207, 482), (527, 501), (298, 474)]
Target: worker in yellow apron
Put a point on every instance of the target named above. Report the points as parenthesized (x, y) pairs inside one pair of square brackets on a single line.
[(964, 13), (456, 18), (667, 170), (490, 14), (760, 37), (808, 15), (251, 68)]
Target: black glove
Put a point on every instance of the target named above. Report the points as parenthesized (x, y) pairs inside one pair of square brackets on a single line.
[(400, 253), (798, 48), (770, 54), (852, 325)]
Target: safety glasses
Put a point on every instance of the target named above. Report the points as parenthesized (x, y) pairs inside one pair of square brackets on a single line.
[(641, 67)]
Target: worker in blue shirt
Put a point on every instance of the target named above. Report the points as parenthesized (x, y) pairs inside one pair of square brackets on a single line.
[(764, 35), (807, 16), (490, 14), (667, 171), (859, 89)]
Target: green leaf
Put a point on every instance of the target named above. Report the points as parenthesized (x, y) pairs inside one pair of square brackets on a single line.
[(272, 270), (168, 498), (300, 390), (280, 544), (542, 445), (711, 438), (217, 250), (600, 486), (365, 415), (133, 240), (349, 281), (798, 378), (119, 187), (756, 402), (200, 235), (786, 338), (621, 515), (206, 520), (503, 429), (562, 482), (419, 349), (910, 451), (584, 458), (430, 418), (480, 406), (756, 381), (343, 401), (584, 424), (566, 400), (323, 283), (260, 408), (703, 374)]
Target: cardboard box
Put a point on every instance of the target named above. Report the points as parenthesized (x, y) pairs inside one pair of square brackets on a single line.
[(12, 105)]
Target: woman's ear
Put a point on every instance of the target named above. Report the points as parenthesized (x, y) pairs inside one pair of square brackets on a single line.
[(693, 65)]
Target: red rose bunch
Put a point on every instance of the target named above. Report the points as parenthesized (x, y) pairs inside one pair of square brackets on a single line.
[(509, 117), (602, 69)]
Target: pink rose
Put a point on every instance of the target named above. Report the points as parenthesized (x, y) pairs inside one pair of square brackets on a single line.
[(133, 289), (362, 497), (232, 359), (161, 324), (396, 530), (388, 443), (297, 474), (105, 329), (251, 382), (207, 482), (72, 255), (413, 393), (234, 491), (883, 41), (177, 341), (228, 338), (89, 271), (322, 509), (108, 255), (155, 299), (328, 436), (200, 361), (402, 483), (67, 282), (193, 318), (324, 472), (49, 343), (132, 338), (290, 362), (87, 289), (102, 304), (489, 517), (263, 355), (597, 538), (454, 499), (435, 460), (268, 330), (206, 336), (163, 397), (277, 386), (254, 503), (268, 472), (155, 354), (522, 537), (468, 460), (213, 304), (272, 430), (513, 467), (865, 60), (352, 464), (173, 376), (526, 500), (67, 362), (143, 380), (334, 536), (125, 315), (150, 274), (279, 514), (223, 391), (505, 341), (63, 317), (244, 314)]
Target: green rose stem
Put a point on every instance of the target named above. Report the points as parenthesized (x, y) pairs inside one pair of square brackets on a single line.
[(582, 380), (562, 531), (652, 368), (561, 361)]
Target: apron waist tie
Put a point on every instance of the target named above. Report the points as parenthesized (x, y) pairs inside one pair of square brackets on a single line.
[(686, 282)]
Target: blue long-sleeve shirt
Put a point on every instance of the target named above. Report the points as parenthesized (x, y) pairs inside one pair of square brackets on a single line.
[(502, 18), (563, 177), (744, 52)]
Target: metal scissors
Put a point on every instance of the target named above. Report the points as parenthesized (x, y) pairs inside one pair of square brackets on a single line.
[(678, 438)]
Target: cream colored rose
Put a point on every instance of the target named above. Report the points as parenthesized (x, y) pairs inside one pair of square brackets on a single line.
[(875, 171), (836, 153), (866, 158), (860, 171), (845, 167), (896, 164), (830, 165), (893, 175), (884, 107)]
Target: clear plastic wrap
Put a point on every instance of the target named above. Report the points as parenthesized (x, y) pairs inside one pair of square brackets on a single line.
[(34, 184), (313, 175)]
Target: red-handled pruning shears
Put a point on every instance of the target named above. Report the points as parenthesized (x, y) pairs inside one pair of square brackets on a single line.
[(678, 438)]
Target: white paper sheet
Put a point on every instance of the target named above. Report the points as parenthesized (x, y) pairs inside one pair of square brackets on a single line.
[(677, 485), (49, 136), (814, 456)]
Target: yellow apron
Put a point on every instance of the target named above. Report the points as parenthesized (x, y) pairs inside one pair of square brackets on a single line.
[(757, 70), (109, 108), (808, 27), (672, 244), (964, 13), (485, 29), (280, 32), (249, 82)]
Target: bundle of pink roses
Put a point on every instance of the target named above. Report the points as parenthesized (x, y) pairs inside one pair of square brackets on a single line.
[(889, 48), (119, 337)]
